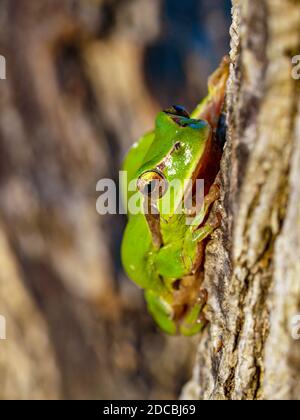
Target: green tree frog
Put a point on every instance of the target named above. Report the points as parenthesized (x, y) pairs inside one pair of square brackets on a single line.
[(161, 252)]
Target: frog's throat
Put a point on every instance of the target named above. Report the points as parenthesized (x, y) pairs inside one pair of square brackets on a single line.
[(152, 216)]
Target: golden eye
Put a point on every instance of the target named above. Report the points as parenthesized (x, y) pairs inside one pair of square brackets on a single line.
[(152, 183)]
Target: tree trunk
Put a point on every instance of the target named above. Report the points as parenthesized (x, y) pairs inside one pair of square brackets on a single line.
[(250, 350)]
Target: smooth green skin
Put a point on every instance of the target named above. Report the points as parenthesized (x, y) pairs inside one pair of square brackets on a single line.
[(155, 269)]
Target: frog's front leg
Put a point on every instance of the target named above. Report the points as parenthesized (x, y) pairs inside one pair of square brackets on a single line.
[(193, 254), (198, 231), (209, 199)]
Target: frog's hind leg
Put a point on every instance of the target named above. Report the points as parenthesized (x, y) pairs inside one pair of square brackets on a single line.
[(161, 311), (189, 302), (193, 248), (185, 315)]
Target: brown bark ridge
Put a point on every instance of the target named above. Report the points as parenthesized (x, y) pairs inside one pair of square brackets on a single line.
[(252, 268)]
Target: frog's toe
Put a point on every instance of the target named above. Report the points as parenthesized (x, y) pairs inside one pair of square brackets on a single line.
[(194, 321), (161, 311)]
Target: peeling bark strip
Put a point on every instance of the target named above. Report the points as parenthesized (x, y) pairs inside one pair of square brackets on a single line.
[(254, 287)]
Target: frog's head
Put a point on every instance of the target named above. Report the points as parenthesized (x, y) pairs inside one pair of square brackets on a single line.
[(175, 157)]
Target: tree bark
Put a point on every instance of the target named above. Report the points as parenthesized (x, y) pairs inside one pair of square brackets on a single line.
[(252, 267)]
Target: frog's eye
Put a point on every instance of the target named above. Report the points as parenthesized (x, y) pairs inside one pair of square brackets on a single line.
[(178, 111), (152, 183)]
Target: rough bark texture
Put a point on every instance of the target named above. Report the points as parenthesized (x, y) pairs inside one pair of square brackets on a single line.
[(253, 270)]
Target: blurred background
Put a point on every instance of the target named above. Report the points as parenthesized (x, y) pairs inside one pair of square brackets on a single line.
[(85, 79)]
